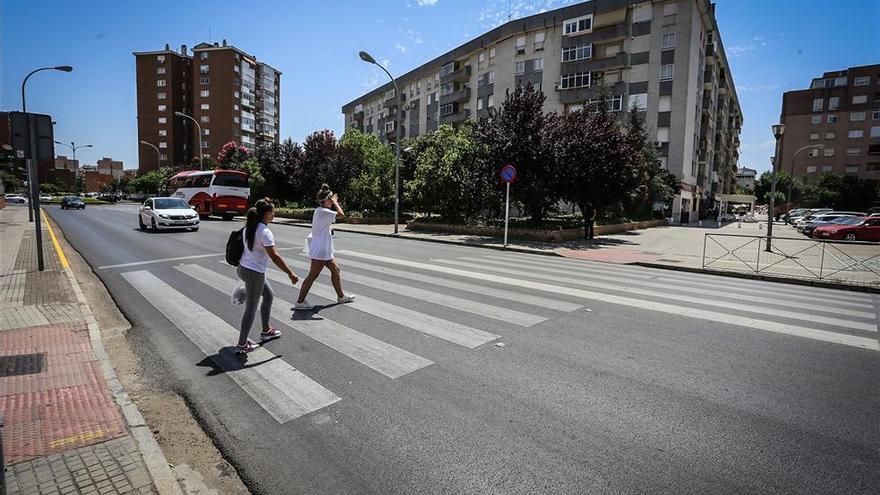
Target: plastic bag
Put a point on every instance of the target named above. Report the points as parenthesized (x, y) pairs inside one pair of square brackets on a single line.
[(308, 245), (239, 295)]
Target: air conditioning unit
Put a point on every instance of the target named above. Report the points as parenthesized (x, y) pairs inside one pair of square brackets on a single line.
[(658, 144), (556, 87)]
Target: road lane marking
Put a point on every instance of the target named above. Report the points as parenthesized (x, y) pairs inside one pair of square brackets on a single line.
[(431, 325), (64, 263), (282, 391), (743, 321), (385, 358), (179, 258), (674, 292)]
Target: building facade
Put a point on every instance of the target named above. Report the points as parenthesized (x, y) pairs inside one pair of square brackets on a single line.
[(841, 112), (232, 96), (109, 166), (665, 58), (745, 178)]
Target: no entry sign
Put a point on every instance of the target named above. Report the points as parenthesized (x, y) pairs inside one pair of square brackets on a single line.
[(507, 174)]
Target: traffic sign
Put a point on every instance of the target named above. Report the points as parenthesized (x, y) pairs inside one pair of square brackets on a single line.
[(508, 174)]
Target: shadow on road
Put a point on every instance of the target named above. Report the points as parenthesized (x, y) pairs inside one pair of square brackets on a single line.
[(227, 360)]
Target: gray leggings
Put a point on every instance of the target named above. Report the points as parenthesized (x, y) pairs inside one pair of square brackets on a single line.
[(255, 284)]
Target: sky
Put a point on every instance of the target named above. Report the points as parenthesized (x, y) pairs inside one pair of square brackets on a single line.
[(772, 47)]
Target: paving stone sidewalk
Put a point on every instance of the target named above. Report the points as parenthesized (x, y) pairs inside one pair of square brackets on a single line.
[(63, 431)]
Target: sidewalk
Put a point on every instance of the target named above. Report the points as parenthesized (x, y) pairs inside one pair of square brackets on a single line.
[(672, 247), (69, 425)]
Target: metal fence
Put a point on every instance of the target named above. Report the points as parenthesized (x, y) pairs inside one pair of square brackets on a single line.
[(850, 262)]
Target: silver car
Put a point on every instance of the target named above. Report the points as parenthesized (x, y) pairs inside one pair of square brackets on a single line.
[(167, 213)]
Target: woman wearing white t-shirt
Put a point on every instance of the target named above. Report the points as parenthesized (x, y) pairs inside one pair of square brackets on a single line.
[(259, 248), (321, 248)]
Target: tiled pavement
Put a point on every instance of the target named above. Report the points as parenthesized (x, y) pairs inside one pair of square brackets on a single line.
[(63, 432)]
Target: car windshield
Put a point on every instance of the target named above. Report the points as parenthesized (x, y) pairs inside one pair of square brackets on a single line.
[(71, 198), (171, 204)]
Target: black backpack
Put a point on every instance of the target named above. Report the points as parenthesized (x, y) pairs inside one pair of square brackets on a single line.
[(235, 247)]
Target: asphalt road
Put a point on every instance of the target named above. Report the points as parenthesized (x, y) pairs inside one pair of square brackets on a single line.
[(611, 379)]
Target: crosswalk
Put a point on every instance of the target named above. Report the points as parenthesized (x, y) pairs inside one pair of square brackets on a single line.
[(469, 302)]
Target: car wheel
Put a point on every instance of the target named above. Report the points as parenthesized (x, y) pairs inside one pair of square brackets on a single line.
[(849, 237), (195, 229), (153, 223), (227, 217), (141, 225)]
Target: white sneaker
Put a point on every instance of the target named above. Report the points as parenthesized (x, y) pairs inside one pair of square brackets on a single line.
[(345, 299), (303, 306)]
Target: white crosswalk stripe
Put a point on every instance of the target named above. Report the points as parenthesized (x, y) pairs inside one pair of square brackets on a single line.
[(688, 311), (427, 324), (282, 391), (676, 294), (387, 359)]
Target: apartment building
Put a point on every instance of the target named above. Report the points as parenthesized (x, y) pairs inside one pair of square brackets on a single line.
[(111, 167), (841, 112), (665, 58), (232, 96)]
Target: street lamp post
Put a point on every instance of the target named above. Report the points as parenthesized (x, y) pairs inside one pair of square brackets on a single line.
[(791, 179), (73, 147), (778, 130), (366, 57), (158, 154), (35, 201), (196, 122)]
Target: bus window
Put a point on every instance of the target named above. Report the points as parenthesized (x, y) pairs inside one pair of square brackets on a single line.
[(196, 181), (230, 180)]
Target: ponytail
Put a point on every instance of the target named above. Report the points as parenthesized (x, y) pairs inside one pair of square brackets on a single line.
[(254, 216)]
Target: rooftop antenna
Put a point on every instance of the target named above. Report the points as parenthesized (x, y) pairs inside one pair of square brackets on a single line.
[(209, 34), (508, 10)]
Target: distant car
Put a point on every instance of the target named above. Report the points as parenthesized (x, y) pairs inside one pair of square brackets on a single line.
[(828, 218), (167, 213), (790, 214), (71, 202), (854, 229), (811, 214), (46, 197), (15, 199)]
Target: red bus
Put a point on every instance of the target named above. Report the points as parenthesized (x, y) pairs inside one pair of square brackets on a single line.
[(222, 193)]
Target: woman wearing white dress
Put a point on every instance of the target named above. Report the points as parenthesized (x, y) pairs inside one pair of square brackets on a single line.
[(321, 248)]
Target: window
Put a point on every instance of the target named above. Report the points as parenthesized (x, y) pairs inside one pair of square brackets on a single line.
[(642, 13), (163, 144), (447, 88), (206, 93), (833, 103), (490, 102), (813, 153), (205, 106), (203, 55), (520, 68), (238, 120), (160, 83), (663, 134), (447, 69), (205, 119), (578, 80), (818, 103), (491, 53), (447, 109), (578, 25), (161, 96), (875, 131), (205, 144), (538, 65), (832, 118), (520, 45), (665, 104), (160, 59), (616, 103), (827, 168), (873, 167), (830, 135), (578, 52), (668, 41), (492, 77), (162, 108), (163, 120), (481, 58), (828, 152), (875, 115), (163, 132), (857, 116), (811, 169), (206, 132), (539, 40), (856, 134), (851, 169), (862, 81), (638, 101), (666, 72), (859, 99), (204, 80), (816, 119), (479, 103), (163, 157), (203, 69), (160, 70), (814, 136), (853, 151)]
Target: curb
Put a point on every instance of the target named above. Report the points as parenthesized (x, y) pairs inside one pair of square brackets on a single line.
[(157, 464)]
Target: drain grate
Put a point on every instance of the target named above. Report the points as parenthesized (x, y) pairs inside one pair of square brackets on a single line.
[(22, 364)]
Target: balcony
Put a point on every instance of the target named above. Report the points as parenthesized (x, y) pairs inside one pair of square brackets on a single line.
[(463, 73), (618, 61), (459, 116), (609, 34), (393, 102), (463, 94)]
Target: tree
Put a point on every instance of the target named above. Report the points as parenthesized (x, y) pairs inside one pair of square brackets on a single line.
[(373, 187), (600, 163), (232, 155), (657, 185), (783, 180), (515, 135), (280, 164), (11, 183), (151, 182)]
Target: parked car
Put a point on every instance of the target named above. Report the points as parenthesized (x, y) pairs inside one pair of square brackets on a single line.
[(792, 213), (828, 218), (167, 213), (15, 199), (71, 202), (853, 229), (811, 214)]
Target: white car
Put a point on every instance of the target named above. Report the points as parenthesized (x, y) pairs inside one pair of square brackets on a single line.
[(167, 213), (15, 199)]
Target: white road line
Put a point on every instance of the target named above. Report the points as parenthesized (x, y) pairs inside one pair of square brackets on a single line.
[(281, 390), (673, 292), (179, 258), (507, 295), (678, 288), (754, 323), (440, 299), (387, 359), (427, 324)]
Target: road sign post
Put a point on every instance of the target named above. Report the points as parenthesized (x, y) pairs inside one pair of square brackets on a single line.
[(32, 140), (508, 175)]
